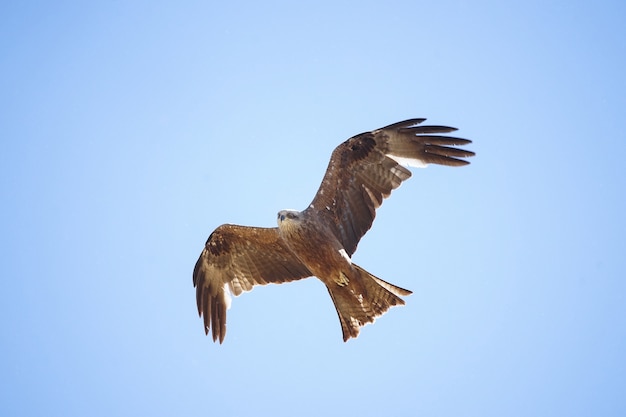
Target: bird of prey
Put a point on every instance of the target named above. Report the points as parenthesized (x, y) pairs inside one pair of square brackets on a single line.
[(320, 240)]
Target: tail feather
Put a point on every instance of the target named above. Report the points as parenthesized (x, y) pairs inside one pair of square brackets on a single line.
[(362, 299)]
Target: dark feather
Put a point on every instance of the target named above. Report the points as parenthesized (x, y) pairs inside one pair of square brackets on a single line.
[(362, 172), (239, 257)]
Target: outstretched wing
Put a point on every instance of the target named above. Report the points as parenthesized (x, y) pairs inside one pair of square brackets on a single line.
[(236, 258), (366, 168)]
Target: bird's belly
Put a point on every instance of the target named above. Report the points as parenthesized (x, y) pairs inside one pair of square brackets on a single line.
[(321, 254)]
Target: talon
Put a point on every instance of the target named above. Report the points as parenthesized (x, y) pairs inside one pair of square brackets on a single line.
[(343, 280)]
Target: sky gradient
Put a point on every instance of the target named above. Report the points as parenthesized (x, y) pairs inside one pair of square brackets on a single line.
[(130, 130)]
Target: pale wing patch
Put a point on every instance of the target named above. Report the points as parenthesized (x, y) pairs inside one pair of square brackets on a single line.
[(227, 298), (411, 162), (343, 253), (239, 284), (227, 288)]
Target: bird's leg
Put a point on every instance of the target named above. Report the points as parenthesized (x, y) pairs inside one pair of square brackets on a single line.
[(342, 280)]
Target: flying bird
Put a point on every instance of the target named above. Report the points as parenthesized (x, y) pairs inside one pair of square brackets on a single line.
[(320, 240)]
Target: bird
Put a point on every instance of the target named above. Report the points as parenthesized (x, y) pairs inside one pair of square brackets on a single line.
[(320, 240)]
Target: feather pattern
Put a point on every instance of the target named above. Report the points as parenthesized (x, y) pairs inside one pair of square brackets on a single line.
[(366, 168), (237, 258), (319, 241)]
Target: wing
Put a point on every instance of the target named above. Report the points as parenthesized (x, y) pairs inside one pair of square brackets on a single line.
[(238, 258), (366, 168)]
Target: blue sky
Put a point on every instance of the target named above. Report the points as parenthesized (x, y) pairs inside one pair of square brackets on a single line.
[(130, 130)]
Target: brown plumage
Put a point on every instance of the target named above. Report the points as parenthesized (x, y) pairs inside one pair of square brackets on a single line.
[(320, 240)]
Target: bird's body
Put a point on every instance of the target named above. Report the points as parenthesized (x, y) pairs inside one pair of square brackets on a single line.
[(312, 243), (320, 240)]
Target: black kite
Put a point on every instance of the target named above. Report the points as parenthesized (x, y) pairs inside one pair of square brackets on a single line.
[(320, 240)]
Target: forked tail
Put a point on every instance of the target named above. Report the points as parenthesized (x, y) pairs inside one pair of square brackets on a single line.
[(362, 299)]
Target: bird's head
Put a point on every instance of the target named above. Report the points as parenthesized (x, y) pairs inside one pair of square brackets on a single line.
[(285, 217)]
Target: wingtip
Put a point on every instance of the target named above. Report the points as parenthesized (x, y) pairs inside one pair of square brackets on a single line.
[(427, 129), (447, 161), (405, 123), (219, 338)]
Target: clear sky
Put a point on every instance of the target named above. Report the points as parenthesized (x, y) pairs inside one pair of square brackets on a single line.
[(131, 129)]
